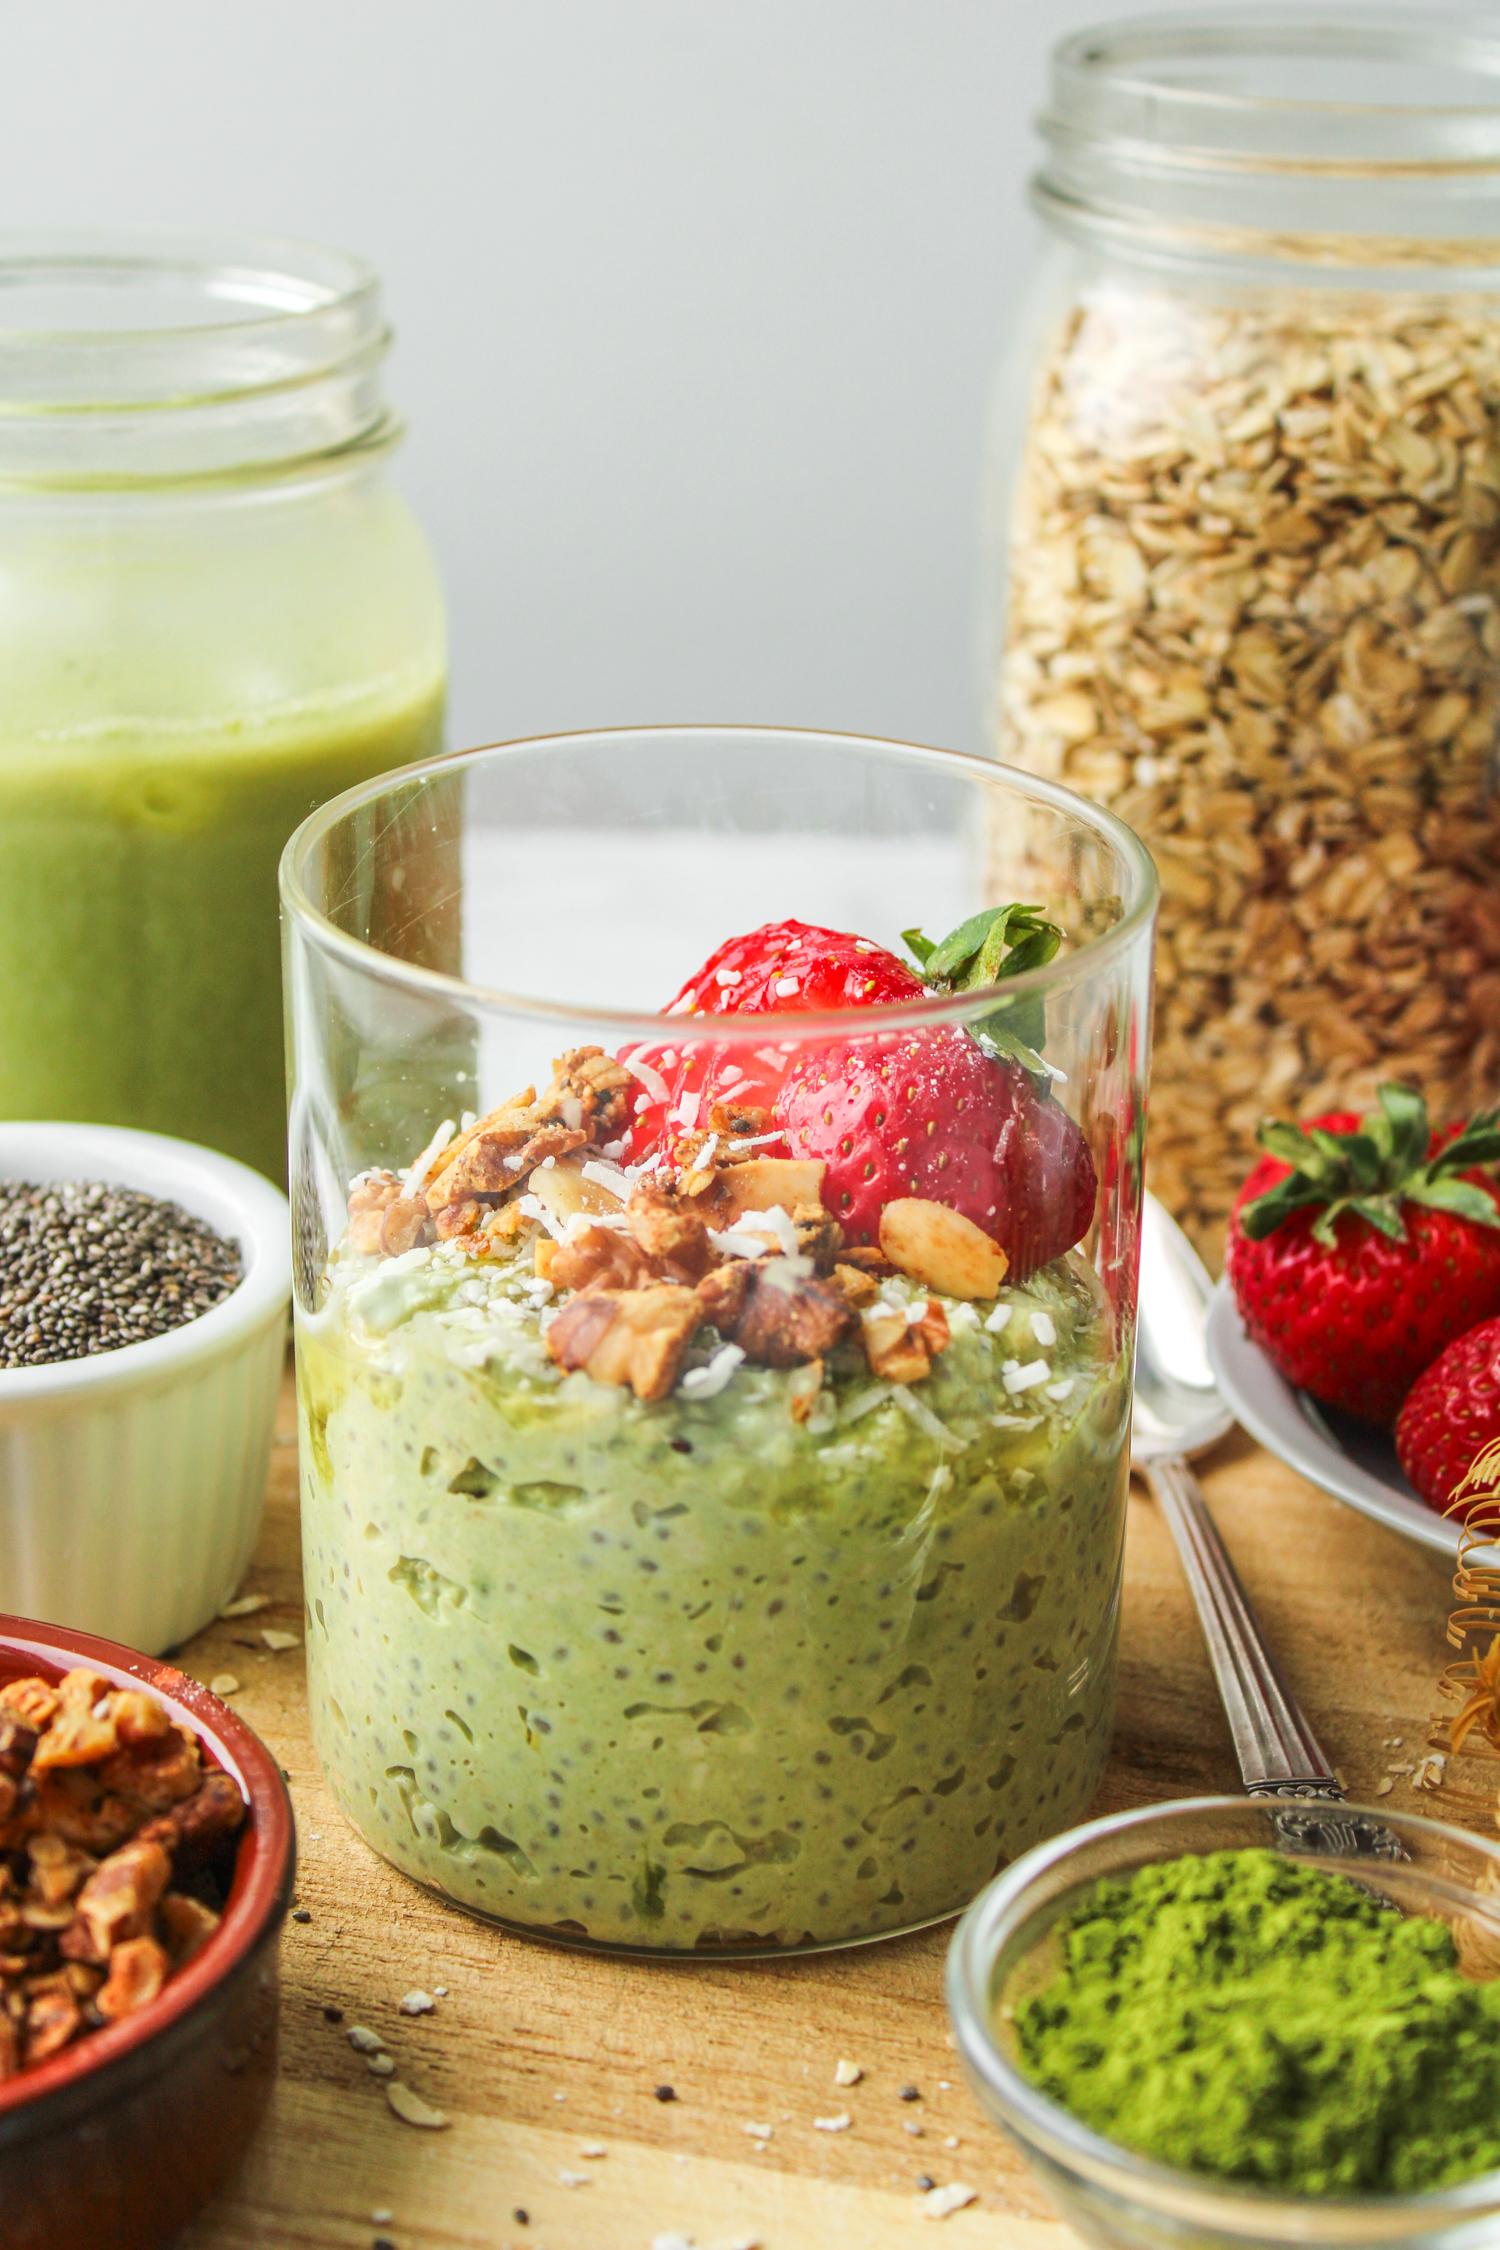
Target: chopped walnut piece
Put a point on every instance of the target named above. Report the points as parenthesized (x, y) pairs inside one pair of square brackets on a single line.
[(9, 1791), (761, 1182), (498, 1161), (455, 1219), (900, 1350), (83, 1730), (137, 1972), (32, 1703), (520, 1105), (57, 1867), (674, 1239), (508, 1224), (407, 1224), (642, 1342), (186, 1924), (789, 1317), (194, 1830), (116, 1901), (156, 1774), (803, 1390), (17, 1742), (856, 1288), (139, 1717), (819, 1235), (53, 2017), (10, 2049), (723, 1294), (941, 1248), (599, 1255), (588, 1091), (368, 1204), (733, 1119), (71, 1802)]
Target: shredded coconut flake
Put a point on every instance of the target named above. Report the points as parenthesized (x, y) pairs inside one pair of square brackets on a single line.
[(999, 1318), (1044, 1329), (779, 1221), (733, 1244), (705, 1155), (1017, 1379), (730, 1074), (417, 1173), (1060, 1391), (726, 976), (880, 1394), (680, 1007), (650, 1078), (772, 1057), (707, 1382), (686, 1112), (609, 1177), (925, 1419), (534, 1209), (784, 987)]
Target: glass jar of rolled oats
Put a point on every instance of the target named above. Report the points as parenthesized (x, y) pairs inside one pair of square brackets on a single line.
[(1243, 532)]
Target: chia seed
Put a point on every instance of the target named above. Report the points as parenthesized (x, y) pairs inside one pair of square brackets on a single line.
[(87, 1268)]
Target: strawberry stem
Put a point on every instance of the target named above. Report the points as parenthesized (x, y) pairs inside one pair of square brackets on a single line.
[(997, 942), (1374, 1170)]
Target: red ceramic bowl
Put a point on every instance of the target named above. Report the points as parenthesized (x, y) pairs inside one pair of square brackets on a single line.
[(118, 2140)]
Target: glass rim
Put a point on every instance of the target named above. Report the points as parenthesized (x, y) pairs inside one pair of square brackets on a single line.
[(330, 279), (1065, 2139), (624, 1024), (1117, 55)]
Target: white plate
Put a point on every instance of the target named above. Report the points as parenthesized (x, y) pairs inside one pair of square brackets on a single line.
[(1349, 1458)]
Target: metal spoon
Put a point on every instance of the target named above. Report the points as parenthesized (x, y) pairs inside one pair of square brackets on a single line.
[(1178, 1414)]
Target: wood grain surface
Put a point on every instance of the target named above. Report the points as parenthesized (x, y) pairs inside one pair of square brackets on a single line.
[(537, 2054)]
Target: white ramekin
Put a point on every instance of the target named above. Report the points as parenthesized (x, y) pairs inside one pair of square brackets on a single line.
[(132, 1482)]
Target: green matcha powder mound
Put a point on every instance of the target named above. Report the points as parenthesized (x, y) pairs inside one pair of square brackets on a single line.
[(1248, 2016)]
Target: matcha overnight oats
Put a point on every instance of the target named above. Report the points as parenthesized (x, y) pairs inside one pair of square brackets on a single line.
[(712, 1534)]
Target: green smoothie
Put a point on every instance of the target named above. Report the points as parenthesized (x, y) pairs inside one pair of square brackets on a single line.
[(712, 1670), (140, 968)]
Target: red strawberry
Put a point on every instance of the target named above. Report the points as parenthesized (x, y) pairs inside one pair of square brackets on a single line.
[(929, 1113), (1358, 1249), (1451, 1415), (787, 966), (783, 968)]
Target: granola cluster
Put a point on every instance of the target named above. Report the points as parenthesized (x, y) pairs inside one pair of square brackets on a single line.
[(111, 1829), (1254, 606), (639, 1260)]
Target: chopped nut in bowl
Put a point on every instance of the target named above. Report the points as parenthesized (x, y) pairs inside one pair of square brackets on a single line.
[(146, 1859), (713, 1449)]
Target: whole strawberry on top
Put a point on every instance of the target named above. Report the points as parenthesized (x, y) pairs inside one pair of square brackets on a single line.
[(1452, 1416), (940, 1115), (1360, 1247)]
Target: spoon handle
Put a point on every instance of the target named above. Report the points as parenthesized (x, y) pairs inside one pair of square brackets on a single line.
[(1277, 1749)]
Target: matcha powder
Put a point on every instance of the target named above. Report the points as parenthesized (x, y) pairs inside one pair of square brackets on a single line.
[(1246, 2015)]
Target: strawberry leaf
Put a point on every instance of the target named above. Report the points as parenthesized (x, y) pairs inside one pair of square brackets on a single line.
[(920, 948), (996, 943), (1478, 1143), (1461, 1197), (1399, 1127)]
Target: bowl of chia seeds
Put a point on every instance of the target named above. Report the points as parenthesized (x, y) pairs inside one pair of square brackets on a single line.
[(144, 1285)]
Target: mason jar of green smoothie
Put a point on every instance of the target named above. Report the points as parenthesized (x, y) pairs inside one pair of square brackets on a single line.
[(215, 614)]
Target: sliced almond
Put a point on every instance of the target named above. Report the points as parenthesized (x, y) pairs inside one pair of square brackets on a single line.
[(941, 1248)]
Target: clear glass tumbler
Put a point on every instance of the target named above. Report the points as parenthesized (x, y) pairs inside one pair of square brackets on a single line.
[(713, 1411)]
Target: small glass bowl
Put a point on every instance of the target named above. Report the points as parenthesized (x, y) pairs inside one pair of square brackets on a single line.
[(1113, 2196)]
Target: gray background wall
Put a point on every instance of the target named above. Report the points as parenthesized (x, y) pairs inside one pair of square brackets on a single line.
[(697, 305)]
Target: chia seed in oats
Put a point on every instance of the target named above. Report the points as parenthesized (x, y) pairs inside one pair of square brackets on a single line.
[(86, 1268)]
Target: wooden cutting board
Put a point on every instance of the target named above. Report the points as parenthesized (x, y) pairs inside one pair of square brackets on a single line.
[(538, 2055)]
